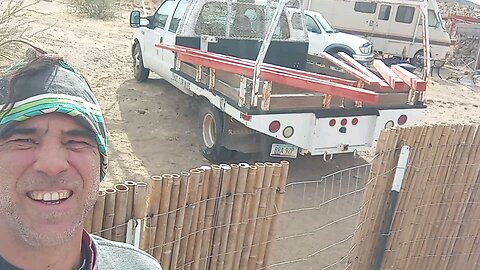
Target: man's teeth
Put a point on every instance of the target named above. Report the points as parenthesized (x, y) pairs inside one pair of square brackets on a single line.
[(50, 196)]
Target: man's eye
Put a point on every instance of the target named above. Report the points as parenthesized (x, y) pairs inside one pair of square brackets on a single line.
[(22, 143), (24, 140), (77, 144)]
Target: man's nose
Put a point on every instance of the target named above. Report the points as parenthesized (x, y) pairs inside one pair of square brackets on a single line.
[(51, 159)]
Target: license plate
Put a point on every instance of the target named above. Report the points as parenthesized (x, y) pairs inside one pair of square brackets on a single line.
[(283, 150)]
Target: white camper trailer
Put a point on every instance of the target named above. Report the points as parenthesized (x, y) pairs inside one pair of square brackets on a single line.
[(394, 27)]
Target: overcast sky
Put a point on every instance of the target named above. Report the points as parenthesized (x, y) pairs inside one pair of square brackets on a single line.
[(475, 1)]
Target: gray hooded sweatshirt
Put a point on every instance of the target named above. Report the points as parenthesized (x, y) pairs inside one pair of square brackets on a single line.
[(121, 256)]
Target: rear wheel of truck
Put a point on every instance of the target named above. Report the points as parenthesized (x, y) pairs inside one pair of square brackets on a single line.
[(139, 71), (211, 125)]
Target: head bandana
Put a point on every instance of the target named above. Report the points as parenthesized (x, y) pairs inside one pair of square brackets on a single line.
[(58, 89)]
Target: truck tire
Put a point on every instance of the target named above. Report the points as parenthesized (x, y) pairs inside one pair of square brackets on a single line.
[(139, 71), (334, 52), (211, 126)]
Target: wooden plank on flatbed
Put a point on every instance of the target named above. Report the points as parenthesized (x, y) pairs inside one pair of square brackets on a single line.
[(389, 76), (363, 69), (385, 99), (357, 74), (411, 79)]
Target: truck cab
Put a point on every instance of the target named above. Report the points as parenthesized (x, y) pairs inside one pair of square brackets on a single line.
[(323, 37)]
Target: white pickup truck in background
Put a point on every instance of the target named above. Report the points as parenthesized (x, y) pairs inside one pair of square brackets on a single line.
[(323, 37)]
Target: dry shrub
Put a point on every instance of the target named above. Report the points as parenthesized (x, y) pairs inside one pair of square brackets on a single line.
[(99, 9), (13, 23)]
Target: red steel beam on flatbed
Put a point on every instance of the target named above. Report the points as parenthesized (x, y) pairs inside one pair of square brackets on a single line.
[(363, 69), (411, 79), (251, 63), (329, 88), (389, 76), (350, 70), (217, 63), (311, 83)]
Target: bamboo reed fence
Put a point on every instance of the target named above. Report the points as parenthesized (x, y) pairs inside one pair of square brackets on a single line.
[(212, 217), (436, 221), (242, 216)]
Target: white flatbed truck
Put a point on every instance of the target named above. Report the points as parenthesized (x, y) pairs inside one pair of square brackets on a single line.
[(256, 88)]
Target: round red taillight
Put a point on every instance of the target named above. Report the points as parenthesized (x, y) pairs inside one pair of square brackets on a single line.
[(344, 122), (354, 121), (274, 126), (332, 122), (402, 119)]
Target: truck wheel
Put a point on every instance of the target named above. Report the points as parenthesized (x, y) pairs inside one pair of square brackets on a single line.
[(139, 71), (334, 52), (211, 125)]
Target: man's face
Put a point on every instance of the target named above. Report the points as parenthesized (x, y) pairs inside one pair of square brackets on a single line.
[(49, 179)]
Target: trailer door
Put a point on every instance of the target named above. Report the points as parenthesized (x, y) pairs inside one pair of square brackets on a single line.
[(367, 11), (383, 21)]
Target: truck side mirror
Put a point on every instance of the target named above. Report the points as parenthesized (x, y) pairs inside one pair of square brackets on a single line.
[(135, 19)]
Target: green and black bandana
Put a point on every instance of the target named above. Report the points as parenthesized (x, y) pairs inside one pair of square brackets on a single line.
[(59, 89)]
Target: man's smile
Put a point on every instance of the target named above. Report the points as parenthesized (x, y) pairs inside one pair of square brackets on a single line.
[(50, 197)]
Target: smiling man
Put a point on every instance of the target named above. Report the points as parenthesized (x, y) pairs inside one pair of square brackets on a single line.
[(53, 154)]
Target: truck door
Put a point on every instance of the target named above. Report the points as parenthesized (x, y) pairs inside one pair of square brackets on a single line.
[(316, 36), (160, 60), (169, 36)]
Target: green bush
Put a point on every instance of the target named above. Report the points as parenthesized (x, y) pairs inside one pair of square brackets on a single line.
[(99, 9)]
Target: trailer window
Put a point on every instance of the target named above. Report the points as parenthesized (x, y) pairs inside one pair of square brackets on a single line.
[(405, 14), (161, 16), (442, 22), (177, 16), (365, 7), (432, 19), (384, 13), (312, 25)]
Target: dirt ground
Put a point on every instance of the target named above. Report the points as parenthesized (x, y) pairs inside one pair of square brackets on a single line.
[(153, 127)]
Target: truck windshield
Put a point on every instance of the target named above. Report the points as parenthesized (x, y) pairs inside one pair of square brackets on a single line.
[(325, 25)]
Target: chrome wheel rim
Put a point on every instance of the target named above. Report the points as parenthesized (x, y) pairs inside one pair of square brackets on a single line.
[(208, 130)]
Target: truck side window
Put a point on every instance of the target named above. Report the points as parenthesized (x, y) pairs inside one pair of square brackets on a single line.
[(312, 25), (384, 13), (365, 7), (161, 16), (177, 16), (432, 19), (405, 14), (257, 18), (282, 31)]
